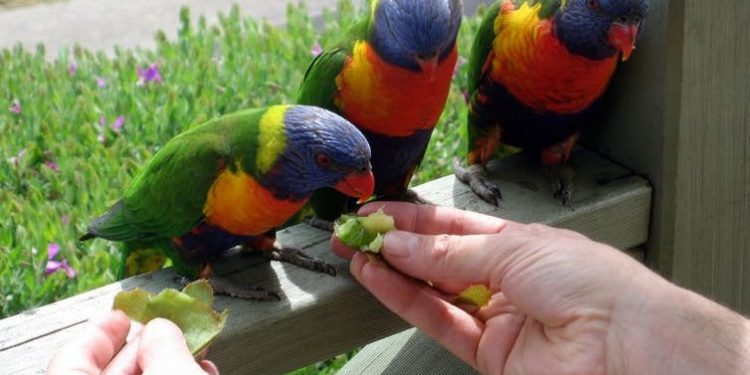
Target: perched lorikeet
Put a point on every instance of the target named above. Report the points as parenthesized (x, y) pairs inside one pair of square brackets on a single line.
[(535, 70), (390, 76), (230, 182)]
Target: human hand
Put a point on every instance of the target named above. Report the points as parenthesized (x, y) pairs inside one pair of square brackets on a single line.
[(159, 348), (560, 301)]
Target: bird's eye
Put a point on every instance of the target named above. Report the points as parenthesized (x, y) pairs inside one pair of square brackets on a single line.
[(323, 160), (594, 4)]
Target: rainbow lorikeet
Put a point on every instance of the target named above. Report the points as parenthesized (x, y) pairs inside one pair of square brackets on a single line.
[(389, 76), (535, 71), (230, 182)]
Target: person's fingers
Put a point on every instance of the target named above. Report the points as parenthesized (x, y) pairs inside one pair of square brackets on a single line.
[(125, 362), (340, 249), (209, 367), (457, 261), (501, 334), (426, 219), (163, 350), (91, 351), (421, 306)]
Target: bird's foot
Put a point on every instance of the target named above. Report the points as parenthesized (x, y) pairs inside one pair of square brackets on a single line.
[(230, 288), (319, 223), (300, 259), (476, 177), (412, 196), (562, 183), (224, 286)]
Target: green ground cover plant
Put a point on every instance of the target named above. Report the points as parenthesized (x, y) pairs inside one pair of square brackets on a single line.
[(74, 131)]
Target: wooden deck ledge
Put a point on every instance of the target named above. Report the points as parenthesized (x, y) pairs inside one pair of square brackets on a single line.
[(321, 316)]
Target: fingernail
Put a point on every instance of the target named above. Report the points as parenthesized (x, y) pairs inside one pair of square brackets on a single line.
[(400, 244)]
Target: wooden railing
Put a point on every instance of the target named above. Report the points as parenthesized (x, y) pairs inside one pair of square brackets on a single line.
[(320, 316)]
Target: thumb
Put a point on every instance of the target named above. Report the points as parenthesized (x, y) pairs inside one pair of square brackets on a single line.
[(163, 350)]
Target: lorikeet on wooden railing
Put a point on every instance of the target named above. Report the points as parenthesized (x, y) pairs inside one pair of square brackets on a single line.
[(230, 182), (390, 76), (535, 69)]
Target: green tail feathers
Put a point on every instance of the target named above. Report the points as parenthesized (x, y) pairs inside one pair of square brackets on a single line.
[(112, 225)]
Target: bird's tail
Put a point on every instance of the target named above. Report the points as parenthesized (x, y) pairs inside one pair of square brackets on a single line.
[(112, 225)]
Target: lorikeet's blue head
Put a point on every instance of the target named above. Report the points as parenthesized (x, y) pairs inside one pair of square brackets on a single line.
[(415, 34), (598, 29), (323, 150)]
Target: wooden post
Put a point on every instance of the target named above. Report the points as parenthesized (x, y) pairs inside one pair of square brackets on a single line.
[(679, 112)]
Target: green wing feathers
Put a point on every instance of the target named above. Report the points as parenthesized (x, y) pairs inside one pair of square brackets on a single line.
[(167, 198), (319, 85), (482, 47)]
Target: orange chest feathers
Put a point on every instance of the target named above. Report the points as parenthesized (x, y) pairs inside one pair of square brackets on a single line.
[(537, 69), (239, 204), (386, 99)]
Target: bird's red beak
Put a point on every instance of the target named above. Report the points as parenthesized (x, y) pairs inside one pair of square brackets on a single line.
[(623, 36), (429, 66), (358, 184)]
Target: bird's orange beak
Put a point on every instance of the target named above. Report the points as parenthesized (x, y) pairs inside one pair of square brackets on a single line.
[(623, 36), (358, 184), (429, 66)]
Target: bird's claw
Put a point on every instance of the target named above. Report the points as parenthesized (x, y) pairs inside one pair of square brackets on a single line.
[(412, 196), (476, 177), (300, 259), (562, 194), (227, 287), (319, 223), (562, 177)]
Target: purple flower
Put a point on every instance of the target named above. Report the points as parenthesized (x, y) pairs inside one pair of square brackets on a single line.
[(316, 49), (72, 69), (52, 165), (15, 107), (150, 74), (52, 250), (53, 265), (65, 219), (101, 82), (117, 125)]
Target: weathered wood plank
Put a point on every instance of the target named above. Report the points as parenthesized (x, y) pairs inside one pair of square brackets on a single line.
[(320, 316), (408, 352), (712, 242)]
